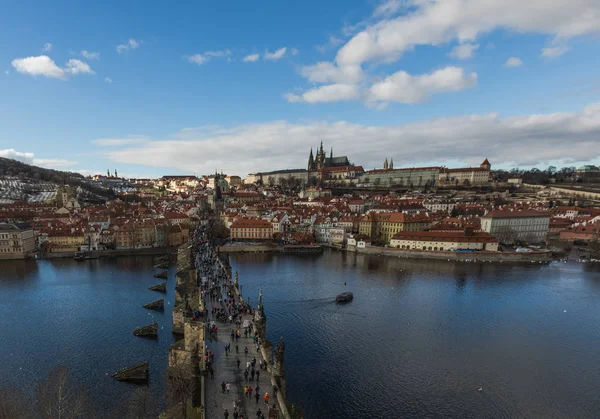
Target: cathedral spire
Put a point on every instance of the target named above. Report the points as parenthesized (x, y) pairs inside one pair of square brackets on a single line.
[(331, 154), (311, 160), (321, 150), (385, 164), (391, 165)]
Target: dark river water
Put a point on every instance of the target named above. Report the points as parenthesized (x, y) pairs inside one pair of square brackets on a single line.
[(418, 341)]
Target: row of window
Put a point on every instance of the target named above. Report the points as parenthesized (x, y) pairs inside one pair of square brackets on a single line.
[(6, 236), (13, 250)]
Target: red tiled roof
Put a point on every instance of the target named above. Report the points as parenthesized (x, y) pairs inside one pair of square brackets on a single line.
[(251, 223)]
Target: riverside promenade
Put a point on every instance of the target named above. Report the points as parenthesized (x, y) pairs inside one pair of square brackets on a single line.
[(208, 309)]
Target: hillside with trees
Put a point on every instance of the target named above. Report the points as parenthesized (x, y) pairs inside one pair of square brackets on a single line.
[(30, 176)]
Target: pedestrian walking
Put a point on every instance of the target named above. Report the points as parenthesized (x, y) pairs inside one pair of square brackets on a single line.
[(226, 414), (237, 349), (246, 375), (246, 351), (250, 392), (245, 391), (228, 387), (256, 396), (257, 375), (267, 399), (252, 375), (223, 387), (238, 363)]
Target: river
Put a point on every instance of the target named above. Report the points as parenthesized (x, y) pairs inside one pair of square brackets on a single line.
[(418, 341)]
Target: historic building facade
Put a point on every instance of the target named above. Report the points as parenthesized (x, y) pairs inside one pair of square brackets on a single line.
[(511, 226)]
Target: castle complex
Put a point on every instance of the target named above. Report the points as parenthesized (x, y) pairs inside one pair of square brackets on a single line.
[(322, 168), (321, 161)]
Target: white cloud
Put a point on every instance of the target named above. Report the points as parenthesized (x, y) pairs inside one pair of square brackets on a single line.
[(327, 72), (44, 66), (39, 66), (47, 47), (11, 153), (115, 142), (251, 58), (463, 51), (207, 56), (429, 22), (517, 140), (513, 62), (404, 88), (129, 45), (29, 158), (294, 51), (332, 42), (274, 56), (327, 93), (554, 52), (88, 55), (389, 8), (78, 67), (51, 163), (108, 80)]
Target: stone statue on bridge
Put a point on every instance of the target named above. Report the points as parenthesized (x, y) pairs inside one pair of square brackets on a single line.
[(280, 352)]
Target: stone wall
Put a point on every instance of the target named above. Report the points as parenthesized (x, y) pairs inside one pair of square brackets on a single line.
[(525, 257)]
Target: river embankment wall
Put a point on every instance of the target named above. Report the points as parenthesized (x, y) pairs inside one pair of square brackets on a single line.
[(249, 249), (514, 257), (148, 251)]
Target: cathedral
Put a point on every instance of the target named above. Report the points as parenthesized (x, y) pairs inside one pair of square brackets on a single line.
[(321, 161)]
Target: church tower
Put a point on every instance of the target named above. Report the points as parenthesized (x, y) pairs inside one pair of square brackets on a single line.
[(485, 165), (391, 165), (311, 161), (385, 164)]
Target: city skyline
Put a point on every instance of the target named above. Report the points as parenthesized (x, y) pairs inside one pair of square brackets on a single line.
[(184, 89)]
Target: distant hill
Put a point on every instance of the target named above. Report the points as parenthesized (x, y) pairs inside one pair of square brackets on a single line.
[(9, 167), (25, 172)]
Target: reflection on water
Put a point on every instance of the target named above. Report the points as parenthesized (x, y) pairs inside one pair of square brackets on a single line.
[(81, 314), (418, 341), (421, 337)]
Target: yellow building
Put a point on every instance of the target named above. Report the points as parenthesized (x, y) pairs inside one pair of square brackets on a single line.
[(64, 240), (382, 226)]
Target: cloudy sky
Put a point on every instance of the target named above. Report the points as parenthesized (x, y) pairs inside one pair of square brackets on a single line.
[(164, 88)]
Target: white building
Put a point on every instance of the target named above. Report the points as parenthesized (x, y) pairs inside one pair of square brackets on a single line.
[(337, 235), (445, 240), (510, 226)]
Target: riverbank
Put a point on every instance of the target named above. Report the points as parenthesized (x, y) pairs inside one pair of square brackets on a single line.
[(269, 248), (150, 251), (513, 257)]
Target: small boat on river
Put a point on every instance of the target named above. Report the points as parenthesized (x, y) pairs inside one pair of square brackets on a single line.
[(344, 297)]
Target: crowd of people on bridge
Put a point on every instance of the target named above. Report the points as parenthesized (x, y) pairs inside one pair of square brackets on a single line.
[(227, 307)]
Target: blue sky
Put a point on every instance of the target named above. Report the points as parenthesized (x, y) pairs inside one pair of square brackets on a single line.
[(151, 88)]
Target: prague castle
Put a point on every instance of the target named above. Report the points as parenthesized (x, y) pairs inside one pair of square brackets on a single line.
[(321, 161)]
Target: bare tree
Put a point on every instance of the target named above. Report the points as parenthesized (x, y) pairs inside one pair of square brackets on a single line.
[(140, 405), (181, 386), (57, 399), (12, 404)]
